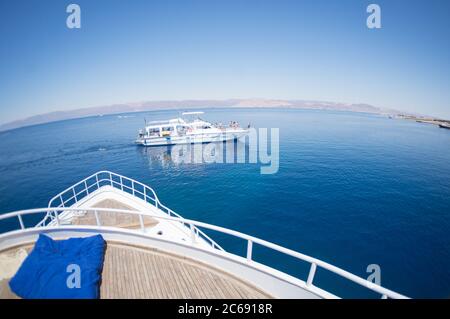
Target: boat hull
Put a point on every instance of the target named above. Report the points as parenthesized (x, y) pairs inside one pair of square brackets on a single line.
[(192, 139)]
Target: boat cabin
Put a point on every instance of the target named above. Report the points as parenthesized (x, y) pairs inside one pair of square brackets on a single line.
[(175, 127)]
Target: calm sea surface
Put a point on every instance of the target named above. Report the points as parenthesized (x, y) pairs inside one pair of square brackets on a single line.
[(352, 189)]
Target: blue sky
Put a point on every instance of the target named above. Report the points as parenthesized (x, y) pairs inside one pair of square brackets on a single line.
[(130, 51)]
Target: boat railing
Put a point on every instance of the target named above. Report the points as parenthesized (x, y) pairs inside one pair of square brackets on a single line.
[(83, 188), (308, 284)]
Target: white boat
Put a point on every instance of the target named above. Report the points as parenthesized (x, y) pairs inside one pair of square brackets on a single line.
[(152, 252), (188, 131)]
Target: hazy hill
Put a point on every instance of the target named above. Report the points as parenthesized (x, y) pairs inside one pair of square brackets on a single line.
[(188, 105)]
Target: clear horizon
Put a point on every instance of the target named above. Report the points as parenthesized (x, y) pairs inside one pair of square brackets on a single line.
[(179, 50)]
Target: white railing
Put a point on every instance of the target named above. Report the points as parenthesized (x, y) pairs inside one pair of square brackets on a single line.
[(315, 263), (83, 188)]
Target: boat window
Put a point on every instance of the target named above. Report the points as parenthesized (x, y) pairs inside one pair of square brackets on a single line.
[(153, 131), (181, 128), (167, 128)]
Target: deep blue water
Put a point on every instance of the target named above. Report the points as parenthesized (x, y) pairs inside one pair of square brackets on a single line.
[(352, 189)]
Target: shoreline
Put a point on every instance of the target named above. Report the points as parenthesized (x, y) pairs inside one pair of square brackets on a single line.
[(427, 120), (391, 115)]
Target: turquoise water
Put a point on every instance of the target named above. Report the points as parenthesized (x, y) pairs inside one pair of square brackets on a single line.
[(352, 189)]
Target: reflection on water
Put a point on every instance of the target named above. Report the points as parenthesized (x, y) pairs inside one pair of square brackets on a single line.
[(196, 154)]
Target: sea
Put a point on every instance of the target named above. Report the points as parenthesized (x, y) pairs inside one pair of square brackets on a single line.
[(359, 191)]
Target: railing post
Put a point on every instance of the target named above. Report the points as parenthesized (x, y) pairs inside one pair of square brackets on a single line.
[(141, 221), (192, 233), (22, 226), (249, 250), (121, 183), (312, 272), (132, 186), (97, 219), (98, 183), (75, 195), (145, 194), (111, 180), (57, 218), (86, 187)]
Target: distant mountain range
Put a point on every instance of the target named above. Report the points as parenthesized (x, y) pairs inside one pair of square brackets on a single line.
[(189, 105)]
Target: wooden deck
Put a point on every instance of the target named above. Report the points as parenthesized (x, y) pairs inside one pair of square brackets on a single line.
[(138, 272), (155, 274), (114, 219)]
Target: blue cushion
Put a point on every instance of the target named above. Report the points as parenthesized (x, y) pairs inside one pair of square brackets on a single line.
[(61, 269)]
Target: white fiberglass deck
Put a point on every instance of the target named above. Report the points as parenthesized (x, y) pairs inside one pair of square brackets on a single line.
[(156, 248), (111, 199)]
